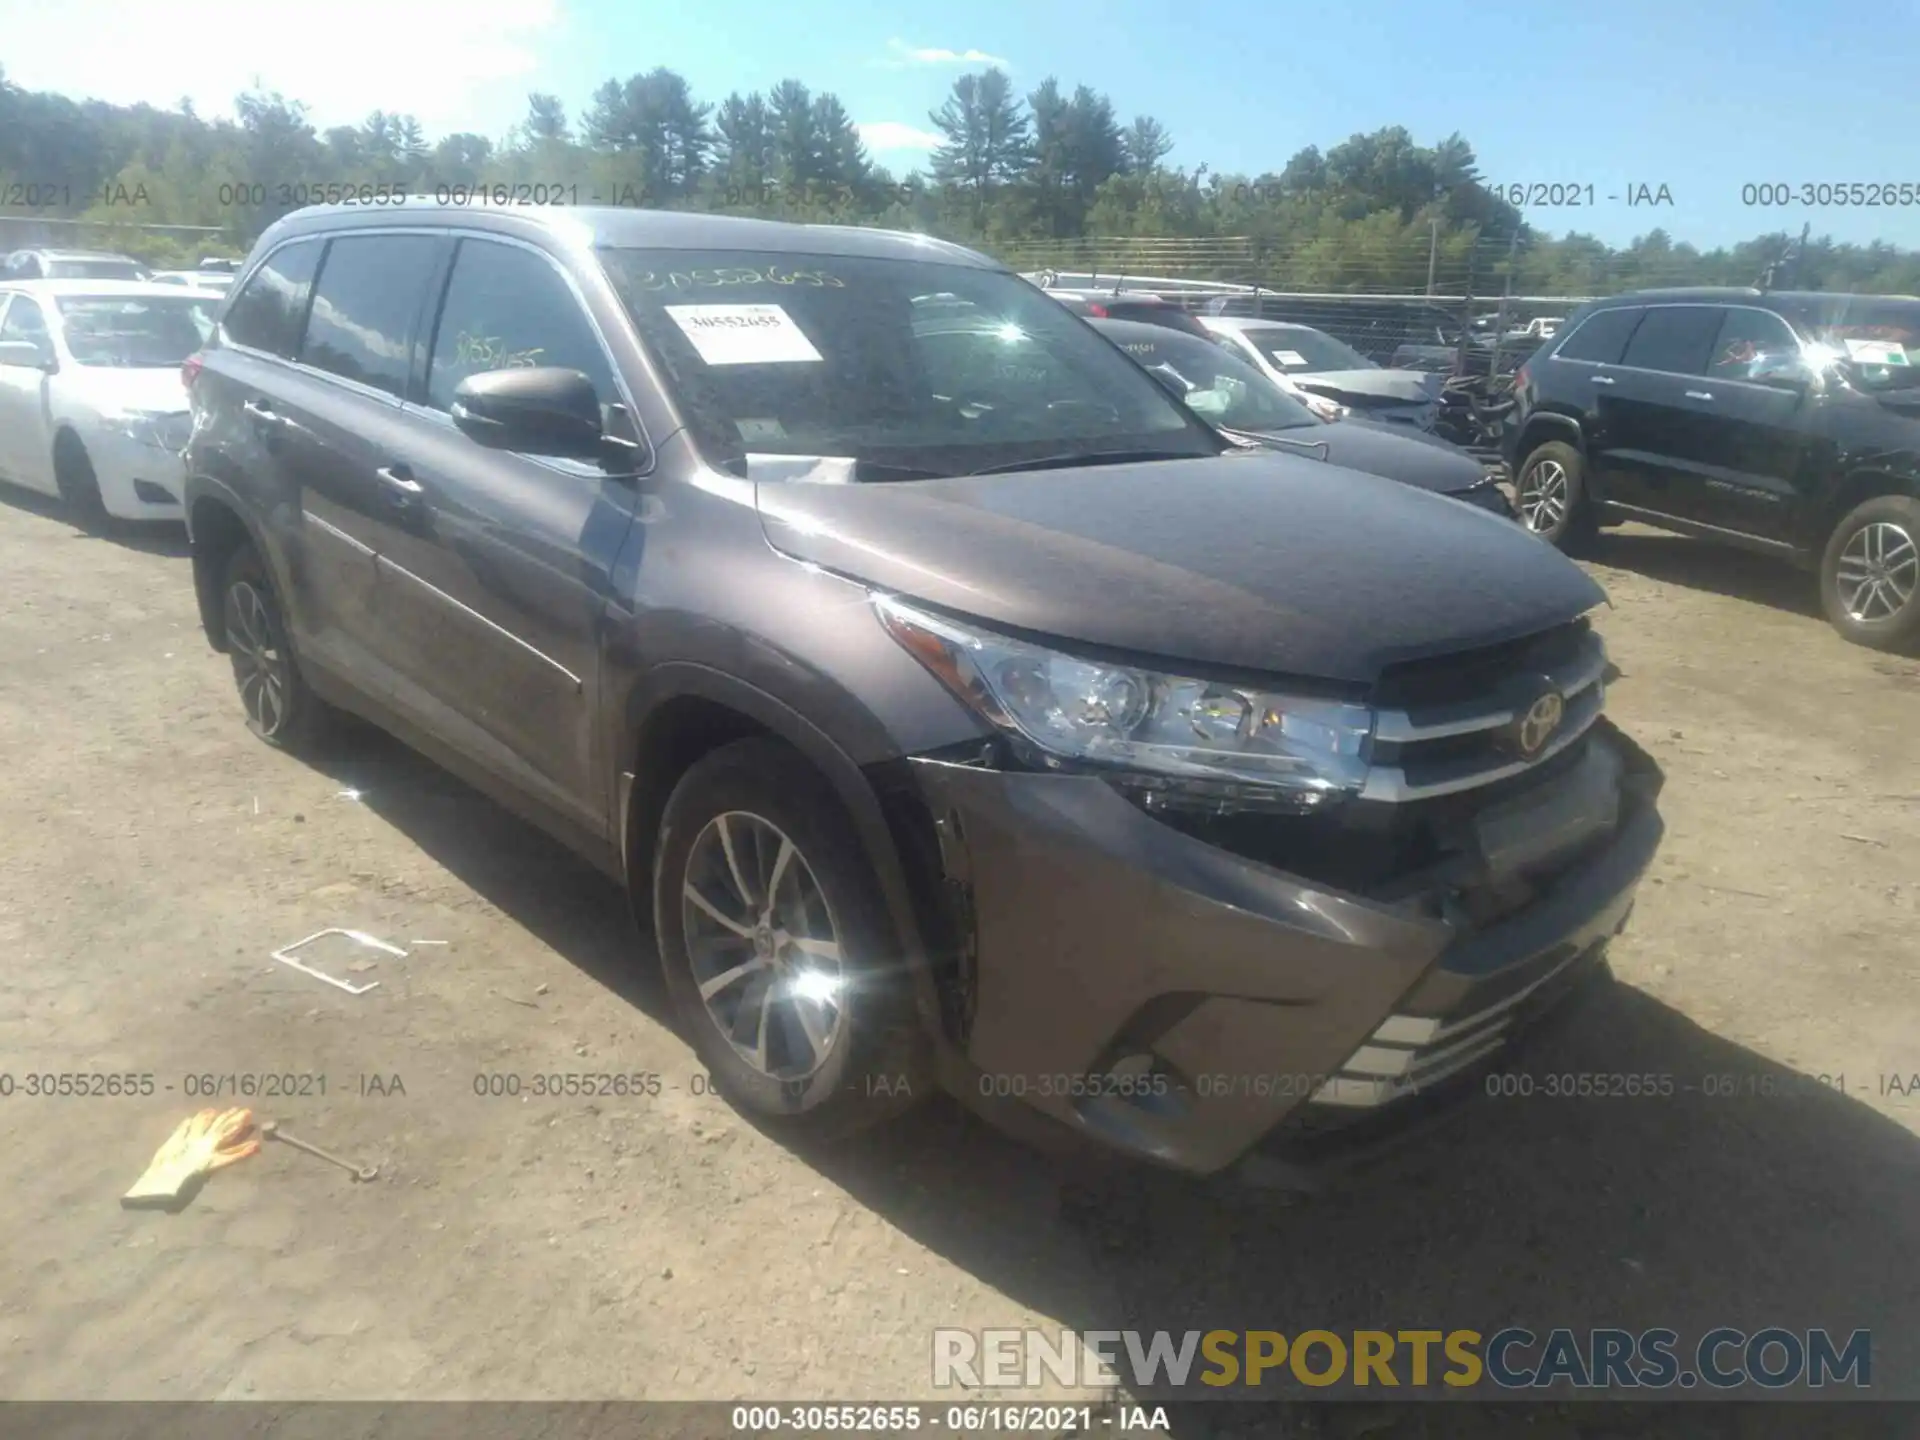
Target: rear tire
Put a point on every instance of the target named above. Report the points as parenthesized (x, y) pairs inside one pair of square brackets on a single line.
[(813, 1041), (1870, 574), (79, 487), (280, 708), (1550, 496)]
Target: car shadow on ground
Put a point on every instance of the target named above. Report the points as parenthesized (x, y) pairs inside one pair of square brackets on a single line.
[(1703, 565), (149, 537), (1751, 1195)]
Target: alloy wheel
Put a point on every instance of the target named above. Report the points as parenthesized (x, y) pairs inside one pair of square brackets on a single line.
[(1878, 571), (259, 663), (763, 946), (1541, 497)]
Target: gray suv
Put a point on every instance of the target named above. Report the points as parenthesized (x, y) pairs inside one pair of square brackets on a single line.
[(957, 706)]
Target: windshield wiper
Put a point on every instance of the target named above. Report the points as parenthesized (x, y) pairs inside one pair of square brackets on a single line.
[(1087, 457)]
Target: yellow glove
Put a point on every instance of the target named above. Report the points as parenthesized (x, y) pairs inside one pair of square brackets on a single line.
[(199, 1145)]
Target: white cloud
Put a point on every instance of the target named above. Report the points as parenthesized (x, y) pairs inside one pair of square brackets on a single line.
[(453, 64), (897, 135), (901, 55)]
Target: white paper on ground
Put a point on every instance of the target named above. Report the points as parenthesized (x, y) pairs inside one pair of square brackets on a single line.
[(1877, 352), (819, 469), (743, 334)]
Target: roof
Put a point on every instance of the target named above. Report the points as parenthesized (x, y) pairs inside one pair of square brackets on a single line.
[(1252, 322), (46, 254), (620, 227), (132, 289), (1727, 293)]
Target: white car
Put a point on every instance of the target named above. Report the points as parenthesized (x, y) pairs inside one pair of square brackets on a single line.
[(92, 404), (1278, 348)]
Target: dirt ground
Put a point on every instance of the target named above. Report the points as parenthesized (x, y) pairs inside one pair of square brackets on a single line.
[(153, 854)]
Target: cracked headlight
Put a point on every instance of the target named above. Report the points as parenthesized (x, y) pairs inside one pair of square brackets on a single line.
[(1174, 737)]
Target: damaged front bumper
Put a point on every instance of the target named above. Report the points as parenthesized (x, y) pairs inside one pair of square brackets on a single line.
[(1186, 1005)]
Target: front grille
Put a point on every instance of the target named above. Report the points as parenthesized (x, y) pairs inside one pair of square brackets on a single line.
[(1445, 727)]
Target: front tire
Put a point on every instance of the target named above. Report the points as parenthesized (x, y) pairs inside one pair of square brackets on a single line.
[(1870, 574), (777, 951), (1550, 496), (280, 708)]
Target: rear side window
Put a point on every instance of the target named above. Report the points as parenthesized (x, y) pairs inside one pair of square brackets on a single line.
[(266, 314), (360, 326), (507, 308), (1675, 338), (1602, 337)]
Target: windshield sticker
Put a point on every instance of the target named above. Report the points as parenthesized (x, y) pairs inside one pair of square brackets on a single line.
[(751, 430), (676, 280), (1288, 357), (1876, 352), (743, 334)]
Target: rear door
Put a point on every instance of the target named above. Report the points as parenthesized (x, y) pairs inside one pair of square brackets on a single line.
[(1650, 407), (502, 571), (336, 417)]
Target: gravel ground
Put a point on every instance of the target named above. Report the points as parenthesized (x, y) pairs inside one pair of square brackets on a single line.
[(655, 1246)]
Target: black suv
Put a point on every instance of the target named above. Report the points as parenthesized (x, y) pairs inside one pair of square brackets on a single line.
[(957, 706), (1786, 423)]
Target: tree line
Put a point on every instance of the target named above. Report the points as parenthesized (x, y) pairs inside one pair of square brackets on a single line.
[(1050, 177)]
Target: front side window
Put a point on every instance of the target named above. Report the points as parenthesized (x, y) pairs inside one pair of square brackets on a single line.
[(508, 308), (1748, 339), (24, 321), (1675, 338), (925, 366), (267, 313), (135, 332), (360, 325)]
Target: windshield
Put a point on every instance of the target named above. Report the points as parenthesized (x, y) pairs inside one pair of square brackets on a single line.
[(93, 270), (1303, 351), (927, 367), (135, 332), (1878, 340), (1220, 386)]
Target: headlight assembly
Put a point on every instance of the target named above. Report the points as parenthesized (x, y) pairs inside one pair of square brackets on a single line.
[(1175, 738)]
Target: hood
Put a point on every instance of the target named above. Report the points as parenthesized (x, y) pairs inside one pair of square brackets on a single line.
[(1412, 457), (1252, 562), (107, 389), (1374, 389)]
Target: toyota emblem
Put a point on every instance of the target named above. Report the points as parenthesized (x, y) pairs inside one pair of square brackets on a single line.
[(1540, 722)]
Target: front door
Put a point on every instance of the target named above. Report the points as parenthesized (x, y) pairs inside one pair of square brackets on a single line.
[(505, 576), (26, 453)]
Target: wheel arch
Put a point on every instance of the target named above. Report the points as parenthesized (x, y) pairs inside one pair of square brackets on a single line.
[(217, 527), (1541, 429), (681, 712), (1854, 490)]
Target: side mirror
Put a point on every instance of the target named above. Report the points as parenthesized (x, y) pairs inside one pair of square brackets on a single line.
[(541, 410), (27, 354)]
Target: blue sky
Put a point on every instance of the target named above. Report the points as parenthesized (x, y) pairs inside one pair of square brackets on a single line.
[(1699, 95)]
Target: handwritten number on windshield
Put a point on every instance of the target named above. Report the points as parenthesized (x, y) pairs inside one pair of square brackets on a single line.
[(677, 280)]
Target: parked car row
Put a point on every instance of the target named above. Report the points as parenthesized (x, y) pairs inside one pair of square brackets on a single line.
[(1781, 422), (957, 700)]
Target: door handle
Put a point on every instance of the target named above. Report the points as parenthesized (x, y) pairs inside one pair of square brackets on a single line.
[(1603, 379), (399, 479), (1699, 395), (261, 413)]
